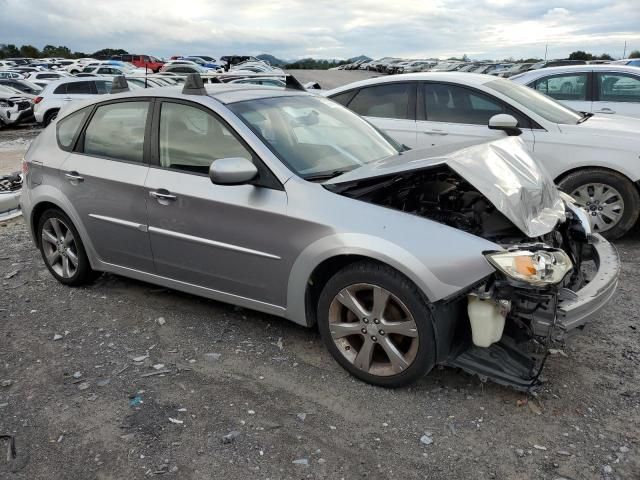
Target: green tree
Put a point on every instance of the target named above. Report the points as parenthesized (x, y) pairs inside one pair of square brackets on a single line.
[(635, 54), (9, 51), (29, 51), (580, 55), (604, 56), (109, 52)]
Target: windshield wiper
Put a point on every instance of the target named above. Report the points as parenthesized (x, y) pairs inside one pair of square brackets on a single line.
[(585, 116), (325, 175)]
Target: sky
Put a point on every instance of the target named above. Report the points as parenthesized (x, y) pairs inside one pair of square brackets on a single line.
[(292, 29)]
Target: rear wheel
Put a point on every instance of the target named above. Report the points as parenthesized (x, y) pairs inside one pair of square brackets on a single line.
[(611, 200), (376, 324), (49, 117), (62, 250)]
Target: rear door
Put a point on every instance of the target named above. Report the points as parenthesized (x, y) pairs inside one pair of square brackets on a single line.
[(103, 178), (617, 93), (572, 89), (450, 113), (79, 90), (389, 106)]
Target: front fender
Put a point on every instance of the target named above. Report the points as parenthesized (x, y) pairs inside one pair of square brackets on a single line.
[(369, 246)]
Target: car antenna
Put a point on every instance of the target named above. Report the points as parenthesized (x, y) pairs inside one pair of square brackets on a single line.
[(119, 84), (292, 83), (194, 85)]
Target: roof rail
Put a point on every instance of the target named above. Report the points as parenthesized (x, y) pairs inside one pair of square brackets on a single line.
[(119, 84), (292, 83), (194, 85)]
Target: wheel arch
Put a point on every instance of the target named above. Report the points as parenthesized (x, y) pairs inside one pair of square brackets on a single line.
[(566, 173)]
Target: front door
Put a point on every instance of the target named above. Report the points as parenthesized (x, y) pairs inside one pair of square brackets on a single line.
[(104, 180), (205, 234), (450, 114)]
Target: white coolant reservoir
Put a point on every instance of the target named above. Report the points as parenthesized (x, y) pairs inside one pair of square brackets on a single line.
[(487, 320)]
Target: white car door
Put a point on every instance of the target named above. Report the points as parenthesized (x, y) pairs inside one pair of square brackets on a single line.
[(617, 93), (449, 114), (571, 89), (79, 91), (390, 107)]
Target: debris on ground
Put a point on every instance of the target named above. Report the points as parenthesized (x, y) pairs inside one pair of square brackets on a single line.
[(230, 437), (426, 439)]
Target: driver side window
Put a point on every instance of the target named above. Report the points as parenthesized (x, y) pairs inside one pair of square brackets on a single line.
[(191, 139)]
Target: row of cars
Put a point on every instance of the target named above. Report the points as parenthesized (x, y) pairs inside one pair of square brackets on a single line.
[(410, 217), (47, 91), (392, 66)]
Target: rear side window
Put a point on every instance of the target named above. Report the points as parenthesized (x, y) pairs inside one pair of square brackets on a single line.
[(68, 128), (386, 101), (117, 131), (79, 88), (344, 98), (618, 87), (61, 89), (103, 86)]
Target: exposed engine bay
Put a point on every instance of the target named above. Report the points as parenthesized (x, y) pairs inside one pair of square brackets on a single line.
[(500, 320)]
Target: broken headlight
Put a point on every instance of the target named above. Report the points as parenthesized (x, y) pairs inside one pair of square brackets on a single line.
[(539, 268)]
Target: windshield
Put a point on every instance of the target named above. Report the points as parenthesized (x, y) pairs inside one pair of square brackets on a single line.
[(538, 103), (314, 136)]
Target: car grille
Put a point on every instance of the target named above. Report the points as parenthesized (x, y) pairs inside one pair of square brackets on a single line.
[(24, 105)]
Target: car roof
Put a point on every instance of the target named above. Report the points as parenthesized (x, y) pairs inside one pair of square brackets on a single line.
[(608, 67), (467, 78)]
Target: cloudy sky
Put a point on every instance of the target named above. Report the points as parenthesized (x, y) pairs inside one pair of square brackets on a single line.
[(327, 28)]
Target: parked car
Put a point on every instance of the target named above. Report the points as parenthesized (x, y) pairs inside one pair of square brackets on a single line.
[(60, 93), (15, 107), (556, 63), (184, 68), (12, 74), (287, 203), (630, 62), (203, 62), (43, 78), (141, 61), (23, 86), (515, 70), (603, 89), (592, 157), (6, 65), (10, 191), (112, 70)]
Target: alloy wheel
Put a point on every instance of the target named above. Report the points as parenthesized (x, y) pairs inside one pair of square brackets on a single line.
[(60, 248), (373, 329), (603, 204)]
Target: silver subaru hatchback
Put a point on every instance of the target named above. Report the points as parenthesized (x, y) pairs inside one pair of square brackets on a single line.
[(281, 201)]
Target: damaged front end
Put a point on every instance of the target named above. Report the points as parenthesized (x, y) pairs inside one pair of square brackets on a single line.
[(10, 191), (552, 275)]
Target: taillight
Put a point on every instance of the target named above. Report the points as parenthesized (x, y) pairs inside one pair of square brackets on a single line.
[(25, 167), (37, 100)]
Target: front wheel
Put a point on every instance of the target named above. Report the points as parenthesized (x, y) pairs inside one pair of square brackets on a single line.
[(610, 199), (376, 324)]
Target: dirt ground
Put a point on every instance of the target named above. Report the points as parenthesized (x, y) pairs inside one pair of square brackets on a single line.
[(125, 380)]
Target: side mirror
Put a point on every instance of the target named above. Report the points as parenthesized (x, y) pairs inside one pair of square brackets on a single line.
[(505, 122), (232, 171)]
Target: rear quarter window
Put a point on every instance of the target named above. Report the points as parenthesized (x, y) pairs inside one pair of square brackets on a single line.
[(67, 128)]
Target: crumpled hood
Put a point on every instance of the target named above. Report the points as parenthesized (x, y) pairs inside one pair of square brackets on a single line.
[(502, 170)]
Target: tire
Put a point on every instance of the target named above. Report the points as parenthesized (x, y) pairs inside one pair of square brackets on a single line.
[(622, 206), (49, 117), (407, 309), (69, 247)]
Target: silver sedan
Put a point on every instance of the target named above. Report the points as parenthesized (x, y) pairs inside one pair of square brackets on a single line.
[(288, 203)]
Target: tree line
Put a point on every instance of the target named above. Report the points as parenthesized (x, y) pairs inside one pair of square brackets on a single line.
[(29, 51)]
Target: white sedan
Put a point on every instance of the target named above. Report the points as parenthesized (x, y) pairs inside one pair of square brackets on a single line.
[(595, 158), (607, 89)]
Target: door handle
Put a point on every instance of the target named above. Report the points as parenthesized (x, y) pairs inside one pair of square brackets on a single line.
[(74, 177), (161, 195), (435, 132), (605, 110)]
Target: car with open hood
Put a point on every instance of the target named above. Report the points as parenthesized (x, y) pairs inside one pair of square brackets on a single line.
[(286, 202), (592, 157)]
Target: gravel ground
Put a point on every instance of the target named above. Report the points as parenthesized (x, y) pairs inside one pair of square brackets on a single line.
[(123, 379)]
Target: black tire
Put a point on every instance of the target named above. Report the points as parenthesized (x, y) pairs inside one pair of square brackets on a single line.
[(628, 191), (398, 285), (83, 274), (49, 117)]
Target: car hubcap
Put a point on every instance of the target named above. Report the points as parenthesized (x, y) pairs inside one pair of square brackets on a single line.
[(59, 246), (373, 329), (603, 204)]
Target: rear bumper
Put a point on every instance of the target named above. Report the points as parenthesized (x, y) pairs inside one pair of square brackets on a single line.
[(578, 308)]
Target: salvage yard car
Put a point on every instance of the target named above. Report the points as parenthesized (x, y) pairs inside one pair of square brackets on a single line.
[(286, 202), (594, 158)]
